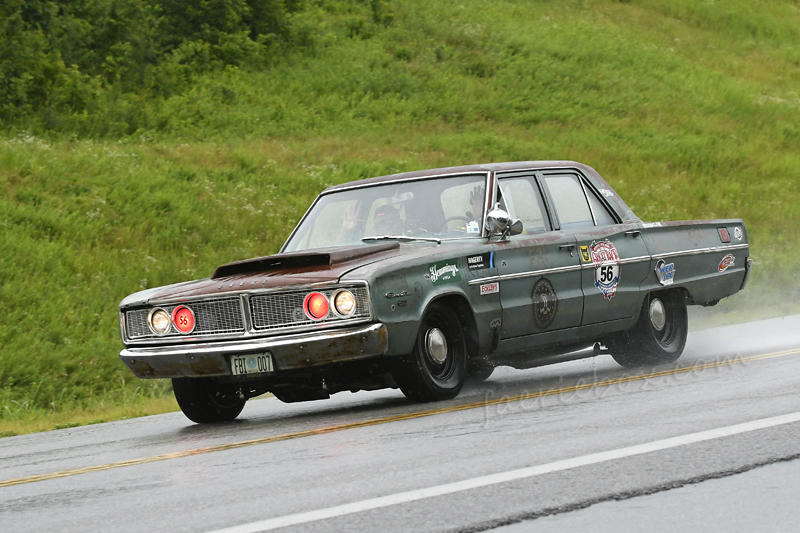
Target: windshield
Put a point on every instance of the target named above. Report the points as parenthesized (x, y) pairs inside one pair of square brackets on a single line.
[(438, 208)]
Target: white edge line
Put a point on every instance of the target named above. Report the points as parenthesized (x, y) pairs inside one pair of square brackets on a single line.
[(511, 475)]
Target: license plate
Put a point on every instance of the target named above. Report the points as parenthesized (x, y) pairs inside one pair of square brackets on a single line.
[(251, 364)]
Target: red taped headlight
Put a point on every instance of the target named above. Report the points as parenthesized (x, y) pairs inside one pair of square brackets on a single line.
[(316, 306), (183, 319)]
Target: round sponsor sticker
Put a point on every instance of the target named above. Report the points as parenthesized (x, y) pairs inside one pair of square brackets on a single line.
[(726, 262), (545, 303)]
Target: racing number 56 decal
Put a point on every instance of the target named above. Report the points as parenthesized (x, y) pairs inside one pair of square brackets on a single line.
[(607, 268)]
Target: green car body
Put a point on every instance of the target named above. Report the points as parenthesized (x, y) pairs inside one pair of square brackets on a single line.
[(579, 274)]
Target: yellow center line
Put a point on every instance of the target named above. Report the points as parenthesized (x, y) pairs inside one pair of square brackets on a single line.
[(394, 418)]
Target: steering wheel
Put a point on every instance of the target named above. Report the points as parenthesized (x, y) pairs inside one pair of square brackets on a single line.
[(450, 219)]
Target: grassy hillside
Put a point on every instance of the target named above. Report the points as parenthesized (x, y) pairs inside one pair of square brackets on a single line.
[(690, 109)]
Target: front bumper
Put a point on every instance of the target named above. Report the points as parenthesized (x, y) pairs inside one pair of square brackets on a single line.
[(288, 352)]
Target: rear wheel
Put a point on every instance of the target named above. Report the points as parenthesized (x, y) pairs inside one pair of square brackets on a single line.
[(203, 400), (436, 368), (658, 337)]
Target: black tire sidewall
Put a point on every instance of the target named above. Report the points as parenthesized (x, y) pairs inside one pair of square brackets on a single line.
[(416, 376), (197, 398), (677, 320), (644, 345)]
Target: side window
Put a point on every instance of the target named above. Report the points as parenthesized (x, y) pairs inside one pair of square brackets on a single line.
[(570, 202), (521, 198), (601, 214)]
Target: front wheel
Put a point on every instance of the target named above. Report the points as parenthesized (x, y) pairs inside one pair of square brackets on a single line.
[(658, 337), (204, 401), (436, 368)]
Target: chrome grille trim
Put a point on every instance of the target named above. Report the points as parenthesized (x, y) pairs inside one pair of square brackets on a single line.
[(243, 315), (284, 310), (218, 316)]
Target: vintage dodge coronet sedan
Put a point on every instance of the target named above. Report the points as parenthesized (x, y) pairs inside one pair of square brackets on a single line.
[(421, 279)]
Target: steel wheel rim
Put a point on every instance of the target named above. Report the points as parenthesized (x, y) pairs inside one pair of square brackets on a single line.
[(666, 335), (437, 349), (658, 314), (436, 346)]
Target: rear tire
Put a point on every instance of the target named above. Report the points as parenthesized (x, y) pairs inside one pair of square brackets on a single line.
[(205, 401), (437, 367), (659, 336)]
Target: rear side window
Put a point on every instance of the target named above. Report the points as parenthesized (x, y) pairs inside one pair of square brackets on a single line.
[(569, 201), (601, 214), (521, 199)]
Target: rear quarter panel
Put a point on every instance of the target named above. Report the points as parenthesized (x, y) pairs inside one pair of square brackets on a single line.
[(699, 257)]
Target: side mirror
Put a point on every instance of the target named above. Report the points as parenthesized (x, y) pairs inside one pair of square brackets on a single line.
[(497, 220), (500, 224)]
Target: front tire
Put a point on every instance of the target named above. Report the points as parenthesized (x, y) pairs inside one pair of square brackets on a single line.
[(205, 401), (437, 367), (659, 336)]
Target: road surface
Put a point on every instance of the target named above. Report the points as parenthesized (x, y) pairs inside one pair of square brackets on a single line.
[(709, 441)]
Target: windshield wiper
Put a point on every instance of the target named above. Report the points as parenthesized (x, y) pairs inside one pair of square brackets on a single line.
[(403, 238)]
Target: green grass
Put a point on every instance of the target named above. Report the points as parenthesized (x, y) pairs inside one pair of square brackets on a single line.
[(689, 109)]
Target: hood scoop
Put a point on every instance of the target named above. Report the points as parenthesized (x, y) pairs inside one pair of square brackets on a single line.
[(324, 257)]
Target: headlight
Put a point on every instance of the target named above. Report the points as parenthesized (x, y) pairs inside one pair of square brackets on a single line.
[(159, 322), (183, 319), (344, 303), (316, 306)]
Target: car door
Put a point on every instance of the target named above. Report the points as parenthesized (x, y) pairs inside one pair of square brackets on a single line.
[(539, 271), (614, 258)]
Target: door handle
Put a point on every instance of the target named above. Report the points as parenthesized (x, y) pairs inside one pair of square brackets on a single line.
[(633, 232), (570, 247)]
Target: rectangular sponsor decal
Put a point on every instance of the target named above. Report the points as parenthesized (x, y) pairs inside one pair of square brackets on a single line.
[(490, 288), (443, 272), (651, 225), (585, 257), (724, 236), (479, 262)]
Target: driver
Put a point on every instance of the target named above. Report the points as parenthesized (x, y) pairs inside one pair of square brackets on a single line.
[(476, 202), (387, 221)]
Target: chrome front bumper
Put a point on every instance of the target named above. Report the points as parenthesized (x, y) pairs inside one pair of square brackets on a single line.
[(288, 352)]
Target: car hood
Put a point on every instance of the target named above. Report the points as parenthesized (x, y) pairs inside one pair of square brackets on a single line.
[(320, 266)]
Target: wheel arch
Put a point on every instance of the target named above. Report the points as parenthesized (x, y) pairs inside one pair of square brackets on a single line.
[(466, 317)]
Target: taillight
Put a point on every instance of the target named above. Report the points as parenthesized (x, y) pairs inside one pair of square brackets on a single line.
[(316, 306)]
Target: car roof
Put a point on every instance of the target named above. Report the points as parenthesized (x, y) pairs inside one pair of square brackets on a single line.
[(488, 167), (617, 203)]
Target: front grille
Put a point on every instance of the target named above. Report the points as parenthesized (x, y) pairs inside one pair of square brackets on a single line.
[(270, 312), (285, 309), (212, 317)]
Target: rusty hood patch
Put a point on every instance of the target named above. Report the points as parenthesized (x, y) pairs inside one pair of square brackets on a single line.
[(301, 260), (275, 271)]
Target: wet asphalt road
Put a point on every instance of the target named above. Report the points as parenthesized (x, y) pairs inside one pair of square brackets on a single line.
[(554, 442)]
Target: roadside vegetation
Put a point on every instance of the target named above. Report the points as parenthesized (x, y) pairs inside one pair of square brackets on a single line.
[(144, 142)]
